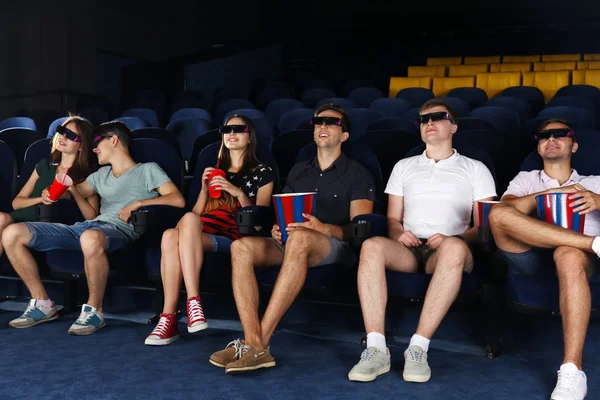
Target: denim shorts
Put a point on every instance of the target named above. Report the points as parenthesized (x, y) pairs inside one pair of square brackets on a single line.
[(47, 236), (341, 253), (220, 244), (538, 264)]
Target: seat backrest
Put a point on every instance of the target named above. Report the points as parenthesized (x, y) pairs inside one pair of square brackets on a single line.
[(475, 97), (360, 119), (34, 153), (520, 59), (482, 60), (208, 158), (530, 94), (580, 117), (427, 70), (133, 123), (251, 113), (184, 113), (591, 57), (360, 152), (149, 116), (145, 150), (278, 107), (186, 131), (504, 119), (444, 60), (391, 108), (19, 139), (18, 122), (160, 134), (561, 57), (95, 115), (398, 83), (461, 108), (587, 103), (467, 70), (521, 107), (364, 96), (589, 77), (290, 120), (8, 177), (417, 96), (464, 124), (54, 125), (398, 124), (547, 81), (555, 66), (511, 67), (442, 86), (231, 104), (495, 82)]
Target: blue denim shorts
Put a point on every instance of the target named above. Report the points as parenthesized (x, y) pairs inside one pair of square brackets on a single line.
[(341, 253), (220, 244), (538, 264), (47, 236)]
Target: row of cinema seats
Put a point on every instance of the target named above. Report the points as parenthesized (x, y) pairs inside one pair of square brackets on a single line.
[(143, 259)]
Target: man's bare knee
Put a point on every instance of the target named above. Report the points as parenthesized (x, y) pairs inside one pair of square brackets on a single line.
[(455, 253), (300, 240), (93, 242), (245, 249), (372, 249), (170, 239), (14, 235), (570, 262), (498, 216)]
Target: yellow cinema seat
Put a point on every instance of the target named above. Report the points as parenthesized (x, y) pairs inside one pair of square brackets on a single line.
[(591, 57), (588, 64), (495, 82), (444, 60), (422, 70), (587, 77), (547, 81), (482, 60), (555, 66), (511, 67), (561, 57), (467, 70), (520, 59)]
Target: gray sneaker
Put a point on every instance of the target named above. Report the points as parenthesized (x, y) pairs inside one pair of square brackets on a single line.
[(373, 362), (416, 368), (89, 321), (33, 315)]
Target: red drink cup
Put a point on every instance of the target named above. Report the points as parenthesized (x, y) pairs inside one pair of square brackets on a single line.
[(215, 193), (61, 183)]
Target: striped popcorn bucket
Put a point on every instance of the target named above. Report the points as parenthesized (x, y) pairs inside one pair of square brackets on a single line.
[(290, 206), (483, 223), (554, 208)]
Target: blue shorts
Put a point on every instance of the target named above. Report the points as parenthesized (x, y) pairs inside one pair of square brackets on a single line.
[(220, 244), (47, 236), (538, 264), (341, 253)]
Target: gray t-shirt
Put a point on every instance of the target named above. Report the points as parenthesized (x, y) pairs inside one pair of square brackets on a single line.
[(139, 183)]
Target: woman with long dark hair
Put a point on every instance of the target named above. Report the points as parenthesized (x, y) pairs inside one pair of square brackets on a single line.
[(210, 227), (71, 154)]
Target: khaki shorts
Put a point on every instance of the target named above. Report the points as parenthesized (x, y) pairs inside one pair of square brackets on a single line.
[(341, 253)]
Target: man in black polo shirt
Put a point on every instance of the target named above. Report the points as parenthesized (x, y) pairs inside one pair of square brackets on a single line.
[(345, 189)]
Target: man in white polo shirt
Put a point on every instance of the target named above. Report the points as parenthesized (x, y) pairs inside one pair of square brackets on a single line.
[(531, 246), (430, 205)]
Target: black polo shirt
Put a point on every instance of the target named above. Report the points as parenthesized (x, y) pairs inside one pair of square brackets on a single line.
[(344, 181)]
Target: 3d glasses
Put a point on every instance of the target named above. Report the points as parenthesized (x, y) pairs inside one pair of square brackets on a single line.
[(435, 116), (556, 133), (234, 129), (317, 121), (68, 133)]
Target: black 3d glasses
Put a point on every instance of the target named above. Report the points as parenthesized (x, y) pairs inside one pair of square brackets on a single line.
[(556, 133), (317, 121), (435, 116), (68, 133), (234, 129)]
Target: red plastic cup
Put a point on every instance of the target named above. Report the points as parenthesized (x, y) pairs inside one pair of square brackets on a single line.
[(215, 193), (61, 183)]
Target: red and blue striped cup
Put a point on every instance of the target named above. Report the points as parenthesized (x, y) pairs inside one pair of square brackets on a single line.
[(555, 209), (289, 208), (483, 222)]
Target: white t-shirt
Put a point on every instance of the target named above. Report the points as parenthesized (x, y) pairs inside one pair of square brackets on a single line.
[(438, 197), (529, 182)]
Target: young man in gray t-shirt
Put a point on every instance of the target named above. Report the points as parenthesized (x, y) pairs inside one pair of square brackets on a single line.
[(124, 186)]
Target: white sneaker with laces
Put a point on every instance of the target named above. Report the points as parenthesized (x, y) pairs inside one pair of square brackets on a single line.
[(416, 368), (571, 384), (373, 362)]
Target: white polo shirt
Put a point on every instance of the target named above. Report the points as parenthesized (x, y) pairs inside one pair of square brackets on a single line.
[(438, 197), (529, 182)]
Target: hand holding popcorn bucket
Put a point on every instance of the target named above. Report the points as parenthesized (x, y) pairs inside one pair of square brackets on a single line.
[(555, 209)]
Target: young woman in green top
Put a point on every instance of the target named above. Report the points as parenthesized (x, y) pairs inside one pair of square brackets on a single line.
[(71, 153)]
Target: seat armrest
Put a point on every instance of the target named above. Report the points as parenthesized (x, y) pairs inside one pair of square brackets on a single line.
[(156, 219), (248, 218), (365, 226)]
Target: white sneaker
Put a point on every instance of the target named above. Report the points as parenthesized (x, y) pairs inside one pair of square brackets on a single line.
[(571, 385), (416, 368), (373, 363), (34, 314)]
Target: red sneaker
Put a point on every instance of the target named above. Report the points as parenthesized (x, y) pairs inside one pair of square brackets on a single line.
[(196, 320), (166, 331)]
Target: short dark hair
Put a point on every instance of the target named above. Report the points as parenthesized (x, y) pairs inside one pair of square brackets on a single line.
[(115, 128), (338, 109), (440, 103), (557, 121)]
